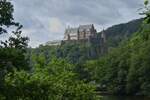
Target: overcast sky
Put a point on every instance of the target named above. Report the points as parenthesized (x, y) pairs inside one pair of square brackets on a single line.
[(46, 20)]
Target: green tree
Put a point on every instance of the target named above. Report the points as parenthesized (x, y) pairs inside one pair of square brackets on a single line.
[(12, 51), (6, 16), (56, 81)]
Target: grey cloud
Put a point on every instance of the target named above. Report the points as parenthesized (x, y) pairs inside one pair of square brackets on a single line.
[(36, 14)]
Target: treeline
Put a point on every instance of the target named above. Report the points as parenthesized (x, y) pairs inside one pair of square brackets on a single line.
[(116, 33), (75, 53)]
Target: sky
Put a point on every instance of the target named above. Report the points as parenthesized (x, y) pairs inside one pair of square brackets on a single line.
[(46, 20)]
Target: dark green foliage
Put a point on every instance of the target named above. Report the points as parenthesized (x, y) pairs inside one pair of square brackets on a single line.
[(54, 81), (6, 15), (117, 33), (125, 70), (76, 53), (146, 11), (12, 51)]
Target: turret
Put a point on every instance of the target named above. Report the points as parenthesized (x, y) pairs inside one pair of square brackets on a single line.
[(103, 42), (103, 36)]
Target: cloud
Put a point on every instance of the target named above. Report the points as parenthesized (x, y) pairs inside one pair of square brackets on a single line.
[(55, 25), (46, 20)]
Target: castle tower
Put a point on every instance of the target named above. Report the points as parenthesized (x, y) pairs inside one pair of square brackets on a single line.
[(103, 42), (103, 36)]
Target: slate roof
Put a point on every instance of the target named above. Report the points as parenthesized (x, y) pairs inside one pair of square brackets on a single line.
[(71, 30), (85, 26), (80, 29)]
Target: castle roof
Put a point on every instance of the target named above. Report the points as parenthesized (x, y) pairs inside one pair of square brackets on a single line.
[(80, 29), (71, 30), (85, 26)]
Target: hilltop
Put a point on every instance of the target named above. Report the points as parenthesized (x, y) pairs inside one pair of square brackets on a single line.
[(116, 33)]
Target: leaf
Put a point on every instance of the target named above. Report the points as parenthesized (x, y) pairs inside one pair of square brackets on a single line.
[(146, 2)]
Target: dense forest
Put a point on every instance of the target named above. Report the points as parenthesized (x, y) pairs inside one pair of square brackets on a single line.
[(74, 71), (116, 33), (125, 69), (76, 53)]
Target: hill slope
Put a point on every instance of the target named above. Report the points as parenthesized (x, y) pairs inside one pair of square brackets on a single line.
[(79, 53), (126, 69), (117, 33)]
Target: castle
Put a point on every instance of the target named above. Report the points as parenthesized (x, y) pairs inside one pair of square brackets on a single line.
[(85, 34)]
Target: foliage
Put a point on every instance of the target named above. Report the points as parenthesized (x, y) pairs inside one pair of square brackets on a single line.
[(6, 13), (147, 11), (55, 81), (125, 70), (117, 33), (76, 53), (12, 50), (52, 79)]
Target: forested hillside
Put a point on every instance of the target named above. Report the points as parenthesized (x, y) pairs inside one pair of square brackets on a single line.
[(125, 69), (72, 52), (120, 32), (81, 52)]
